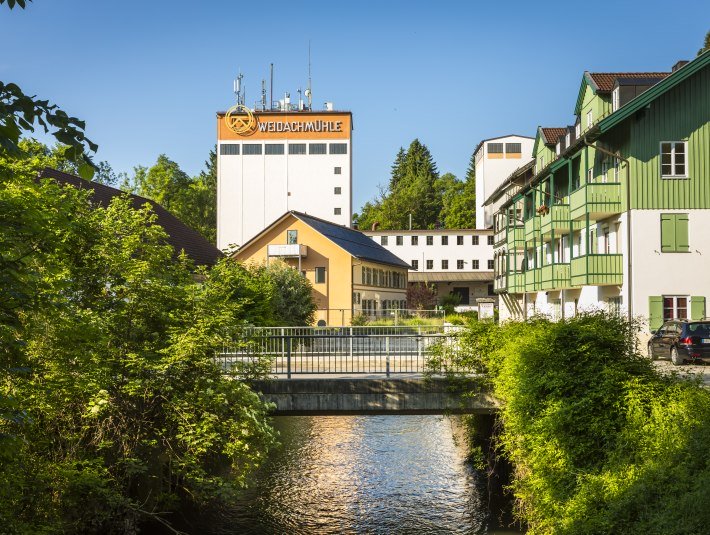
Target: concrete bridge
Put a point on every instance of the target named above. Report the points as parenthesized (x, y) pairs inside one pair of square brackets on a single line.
[(357, 370), (366, 396)]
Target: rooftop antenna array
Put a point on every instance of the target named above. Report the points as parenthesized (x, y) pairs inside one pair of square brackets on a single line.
[(309, 93), (238, 88)]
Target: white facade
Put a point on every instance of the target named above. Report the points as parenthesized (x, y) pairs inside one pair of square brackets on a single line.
[(266, 174), (454, 260), (496, 159)]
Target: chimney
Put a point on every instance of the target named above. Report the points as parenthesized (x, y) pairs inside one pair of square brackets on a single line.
[(679, 64)]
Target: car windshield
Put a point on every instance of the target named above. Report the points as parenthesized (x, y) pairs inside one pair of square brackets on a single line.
[(699, 329)]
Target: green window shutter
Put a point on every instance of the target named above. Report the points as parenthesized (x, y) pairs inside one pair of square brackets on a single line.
[(655, 312), (681, 233), (697, 307), (668, 233)]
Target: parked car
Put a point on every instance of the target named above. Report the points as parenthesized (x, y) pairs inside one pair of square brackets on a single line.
[(681, 341)]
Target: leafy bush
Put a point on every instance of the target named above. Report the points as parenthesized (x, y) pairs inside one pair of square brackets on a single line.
[(449, 302), (600, 441)]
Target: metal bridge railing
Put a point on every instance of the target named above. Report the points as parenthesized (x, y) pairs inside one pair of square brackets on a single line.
[(354, 351)]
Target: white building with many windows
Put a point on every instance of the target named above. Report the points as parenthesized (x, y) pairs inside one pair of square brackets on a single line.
[(273, 162), (454, 261)]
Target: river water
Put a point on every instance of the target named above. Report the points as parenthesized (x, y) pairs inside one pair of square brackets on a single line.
[(364, 474)]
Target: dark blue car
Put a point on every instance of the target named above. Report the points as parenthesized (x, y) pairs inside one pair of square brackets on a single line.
[(681, 341)]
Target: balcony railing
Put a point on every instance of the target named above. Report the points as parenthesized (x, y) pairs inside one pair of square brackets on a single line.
[(597, 270), (532, 280), (516, 283), (597, 199), (291, 250), (532, 228), (558, 220), (516, 238), (554, 276), (499, 237)]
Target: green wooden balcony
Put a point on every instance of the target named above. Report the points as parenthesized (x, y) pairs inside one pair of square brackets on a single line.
[(532, 228), (597, 270), (532, 280), (516, 283), (599, 200), (554, 276), (515, 238), (557, 221)]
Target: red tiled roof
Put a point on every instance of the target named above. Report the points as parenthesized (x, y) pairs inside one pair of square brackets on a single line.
[(551, 135), (180, 236), (605, 80)]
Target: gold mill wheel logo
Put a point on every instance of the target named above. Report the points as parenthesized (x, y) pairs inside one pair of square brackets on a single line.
[(240, 120)]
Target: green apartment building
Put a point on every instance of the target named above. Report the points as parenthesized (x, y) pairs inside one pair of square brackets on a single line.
[(614, 211)]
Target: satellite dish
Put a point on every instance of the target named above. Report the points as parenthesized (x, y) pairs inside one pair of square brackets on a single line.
[(308, 92)]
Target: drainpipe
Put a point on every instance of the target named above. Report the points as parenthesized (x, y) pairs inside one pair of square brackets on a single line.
[(628, 217)]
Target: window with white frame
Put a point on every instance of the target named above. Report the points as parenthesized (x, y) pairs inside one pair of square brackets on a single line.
[(673, 159), (675, 307), (590, 174), (577, 130), (590, 119), (474, 264), (459, 264), (616, 169), (615, 99), (605, 169), (430, 264)]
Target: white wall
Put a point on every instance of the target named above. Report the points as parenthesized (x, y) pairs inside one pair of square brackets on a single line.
[(491, 172), (483, 252), (253, 190)]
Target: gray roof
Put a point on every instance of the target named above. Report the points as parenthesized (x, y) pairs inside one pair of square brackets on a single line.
[(353, 241)]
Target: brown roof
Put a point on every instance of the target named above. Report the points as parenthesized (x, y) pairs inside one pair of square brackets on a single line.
[(605, 80), (551, 135), (180, 236)]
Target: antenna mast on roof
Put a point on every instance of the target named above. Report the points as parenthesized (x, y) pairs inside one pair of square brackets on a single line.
[(238, 88), (309, 93)]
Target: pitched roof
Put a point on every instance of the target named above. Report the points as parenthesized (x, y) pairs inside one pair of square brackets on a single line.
[(180, 236), (498, 137), (604, 81), (352, 241), (551, 135)]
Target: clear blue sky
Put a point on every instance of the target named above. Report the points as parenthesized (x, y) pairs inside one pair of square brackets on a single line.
[(148, 76)]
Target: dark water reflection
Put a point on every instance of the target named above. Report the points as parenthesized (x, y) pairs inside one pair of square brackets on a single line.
[(364, 474)]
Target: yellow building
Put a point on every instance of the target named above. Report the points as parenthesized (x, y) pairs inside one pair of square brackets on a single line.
[(350, 273)]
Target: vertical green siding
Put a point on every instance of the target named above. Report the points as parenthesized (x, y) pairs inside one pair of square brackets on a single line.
[(697, 307), (681, 114)]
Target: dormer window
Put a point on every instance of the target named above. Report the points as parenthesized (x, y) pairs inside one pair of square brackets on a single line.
[(615, 99), (559, 148), (590, 119), (577, 130), (542, 162), (567, 140)]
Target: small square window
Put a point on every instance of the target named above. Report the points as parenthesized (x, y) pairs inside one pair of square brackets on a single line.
[(415, 240), (490, 264), (337, 190), (337, 170), (337, 211), (415, 264), (474, 264), (399, 240), (430, 240), (474, 240), (320, 275), (490, 240), (444, 264), (459, 264), (430, 264), (383, 240), (459, 240), (444, 240)]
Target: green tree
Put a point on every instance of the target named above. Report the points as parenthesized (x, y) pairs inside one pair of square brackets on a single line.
[(706, 44), (459, 202)]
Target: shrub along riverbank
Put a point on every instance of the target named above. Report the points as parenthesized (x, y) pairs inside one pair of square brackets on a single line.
[(112, 411), (600, 441)]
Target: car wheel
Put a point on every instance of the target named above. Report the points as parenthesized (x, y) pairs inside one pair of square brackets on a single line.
[(650, 352), (675, 357)]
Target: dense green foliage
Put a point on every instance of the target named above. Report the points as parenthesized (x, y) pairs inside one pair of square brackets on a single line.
[(415, 188), (112, 407), (601, 442)]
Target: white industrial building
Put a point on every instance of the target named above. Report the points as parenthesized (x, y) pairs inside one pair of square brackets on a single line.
[(496, 158), (454, 261), (273, 162)]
